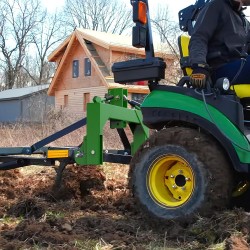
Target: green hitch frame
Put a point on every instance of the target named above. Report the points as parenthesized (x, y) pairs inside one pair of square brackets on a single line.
[(114, 109)]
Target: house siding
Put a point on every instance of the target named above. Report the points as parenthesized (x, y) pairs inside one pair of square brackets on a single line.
[(76, 98), (67, 82), (118, 56), (104, 55), (67, 89), (59, 58)]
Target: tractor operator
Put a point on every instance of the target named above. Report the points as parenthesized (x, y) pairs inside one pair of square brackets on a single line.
[(219, 44)]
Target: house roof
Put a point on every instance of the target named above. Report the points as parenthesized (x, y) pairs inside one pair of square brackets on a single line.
[(21, 92), (109, 41), (60, 49)]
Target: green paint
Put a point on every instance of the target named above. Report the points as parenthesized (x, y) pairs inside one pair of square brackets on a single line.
[(165, 99), (98, 113)]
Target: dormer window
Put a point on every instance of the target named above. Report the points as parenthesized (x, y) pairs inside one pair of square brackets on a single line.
[(75, 69)]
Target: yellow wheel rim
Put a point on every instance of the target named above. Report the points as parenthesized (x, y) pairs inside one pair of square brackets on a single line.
[(171, 181)]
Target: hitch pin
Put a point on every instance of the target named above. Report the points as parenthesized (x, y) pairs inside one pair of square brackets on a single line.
[(133, 103)]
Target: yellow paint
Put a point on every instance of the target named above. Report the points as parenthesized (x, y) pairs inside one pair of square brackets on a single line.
[(171, 181), (241, 90), (58, 153), (184, 43)]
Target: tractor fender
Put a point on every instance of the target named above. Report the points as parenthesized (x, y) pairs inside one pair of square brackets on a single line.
[(156, 118)]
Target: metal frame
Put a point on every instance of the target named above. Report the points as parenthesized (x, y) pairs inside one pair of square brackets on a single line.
[(112, 108), (119, 116), (189, 14)]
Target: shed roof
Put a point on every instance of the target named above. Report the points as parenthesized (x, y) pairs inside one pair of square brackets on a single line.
[(21, 92)]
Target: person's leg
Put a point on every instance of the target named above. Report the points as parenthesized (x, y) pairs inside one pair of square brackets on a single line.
[(238, 72)]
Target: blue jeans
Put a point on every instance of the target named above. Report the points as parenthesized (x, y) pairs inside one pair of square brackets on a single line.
[(230, 70)]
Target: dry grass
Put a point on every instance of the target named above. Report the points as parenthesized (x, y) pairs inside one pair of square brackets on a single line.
[(26, 134)]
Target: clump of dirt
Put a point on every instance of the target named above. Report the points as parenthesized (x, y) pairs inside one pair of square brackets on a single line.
[(77, 182), (220, 226), (27, 208), (9, 180), (37, 233), (93, 209), (236, 242)]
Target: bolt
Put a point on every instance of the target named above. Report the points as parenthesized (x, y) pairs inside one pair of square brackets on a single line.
[(92, 152), (174, 186), (187, 179), (79, 155), (183, 188), (180, 171), (172, 176)]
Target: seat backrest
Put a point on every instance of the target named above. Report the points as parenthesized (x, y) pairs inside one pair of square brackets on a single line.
[(241, 90), (183, 43)]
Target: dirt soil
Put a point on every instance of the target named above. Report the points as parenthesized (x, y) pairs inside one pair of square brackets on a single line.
[(93, 209)]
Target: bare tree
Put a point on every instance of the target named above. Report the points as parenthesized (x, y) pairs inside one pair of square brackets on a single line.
[(167, 29), (168, 32), (103, 15), (48, 34), (19, 18)]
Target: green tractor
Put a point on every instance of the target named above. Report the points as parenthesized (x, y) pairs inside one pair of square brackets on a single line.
[(197, 159), (200, 155)]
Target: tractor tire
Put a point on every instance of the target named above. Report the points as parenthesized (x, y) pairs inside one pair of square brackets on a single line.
[(179, 173)]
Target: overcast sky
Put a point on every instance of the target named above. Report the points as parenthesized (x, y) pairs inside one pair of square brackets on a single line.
[(174, 5)]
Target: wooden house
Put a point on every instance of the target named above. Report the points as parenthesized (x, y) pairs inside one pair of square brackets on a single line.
[(83, 67)]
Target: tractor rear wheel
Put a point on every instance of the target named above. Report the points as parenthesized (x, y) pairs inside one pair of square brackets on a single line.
[(179, 173)]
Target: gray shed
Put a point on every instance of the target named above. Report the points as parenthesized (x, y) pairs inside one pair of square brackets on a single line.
[(28, 104)]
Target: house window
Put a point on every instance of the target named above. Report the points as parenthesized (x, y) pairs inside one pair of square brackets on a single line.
[(87, 67), (75, 70), (86, 99), (66, 101)]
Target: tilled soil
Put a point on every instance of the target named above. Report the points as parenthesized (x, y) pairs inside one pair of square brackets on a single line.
[(94, 209)]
